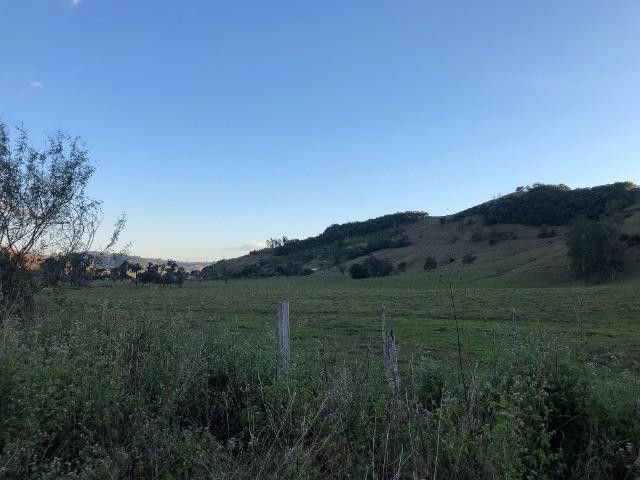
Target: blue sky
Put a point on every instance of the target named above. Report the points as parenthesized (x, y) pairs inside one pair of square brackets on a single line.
[(217, 124)]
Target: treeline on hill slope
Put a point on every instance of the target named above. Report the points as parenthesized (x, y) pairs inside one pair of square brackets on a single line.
[(553, 204), (338, 243)]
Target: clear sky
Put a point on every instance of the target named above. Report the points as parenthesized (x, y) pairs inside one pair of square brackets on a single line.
[(215, 124)]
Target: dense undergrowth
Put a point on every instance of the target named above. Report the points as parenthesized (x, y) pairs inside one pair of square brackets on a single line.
[(98, 397)]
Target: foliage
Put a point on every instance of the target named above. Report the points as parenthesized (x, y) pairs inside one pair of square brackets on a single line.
[(630, 240), (109, 398), (496, 236), (430, 263), (469, 258), (546, 232), (76, 269), (358, 271), (42, 194), (476, 236), (371, 267), (594, 249), (163, 274), (402, 267), (553, 204), (44, 209), (17, 288), (335, 234)]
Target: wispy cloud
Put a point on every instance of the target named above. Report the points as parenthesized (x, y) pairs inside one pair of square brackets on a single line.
[(248, 246), (36, 84), (75, 3)]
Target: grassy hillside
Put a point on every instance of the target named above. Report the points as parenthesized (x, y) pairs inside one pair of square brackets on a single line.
[(533, 249)]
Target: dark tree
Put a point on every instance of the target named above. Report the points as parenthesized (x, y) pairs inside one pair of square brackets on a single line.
[(430, 263), (44, 208), (468, 258), (595, 250), (358, 271), (135, 269)]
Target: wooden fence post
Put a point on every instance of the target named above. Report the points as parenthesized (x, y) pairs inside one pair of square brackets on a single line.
[(390, 353), (391, 360), (514, 324), (384, 330), (283, 338)]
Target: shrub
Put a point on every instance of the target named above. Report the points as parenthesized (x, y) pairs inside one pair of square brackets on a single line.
[(162, 399), (630, 240), (371, 267), (378, 268), (18, 286), (430, 263), (546, 232), (476, 237), (496, 237), (358, 271), (402, 267), (468, 258)]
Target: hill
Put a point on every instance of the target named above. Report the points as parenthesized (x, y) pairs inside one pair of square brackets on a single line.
[(517, 237), (114, 260)]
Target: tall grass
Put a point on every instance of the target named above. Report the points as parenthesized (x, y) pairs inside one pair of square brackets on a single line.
[(99, 397)]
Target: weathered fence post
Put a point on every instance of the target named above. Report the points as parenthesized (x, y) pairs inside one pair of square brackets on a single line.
[(104, 305), (391, 360), (283, 338), (514, 324), (383, 330), (390, 352)]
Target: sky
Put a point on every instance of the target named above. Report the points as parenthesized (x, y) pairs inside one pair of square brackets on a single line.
[(218, 124)]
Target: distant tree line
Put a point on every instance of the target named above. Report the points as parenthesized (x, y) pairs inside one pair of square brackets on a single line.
[(344, 232), (78, 269), (553, 204)]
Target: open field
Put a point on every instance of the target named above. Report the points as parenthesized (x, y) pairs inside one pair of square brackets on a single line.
[(338, 313), (118, 381)]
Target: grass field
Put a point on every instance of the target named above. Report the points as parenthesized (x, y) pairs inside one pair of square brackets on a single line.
[(338, 313), (119, 381)]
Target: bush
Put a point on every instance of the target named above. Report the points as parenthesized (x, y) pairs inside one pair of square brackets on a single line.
[(402, 267), (476, 237), (546, 232), (371, 267), (430, 263), (18, 286), (358, 271), (630, 240), (378, 268), (497, 237), (162, 399), (469, 258)]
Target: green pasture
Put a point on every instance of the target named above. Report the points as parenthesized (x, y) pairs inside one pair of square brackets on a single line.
[(338, 314)]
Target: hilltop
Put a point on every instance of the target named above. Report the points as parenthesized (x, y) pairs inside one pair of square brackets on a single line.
[(520, 236)]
